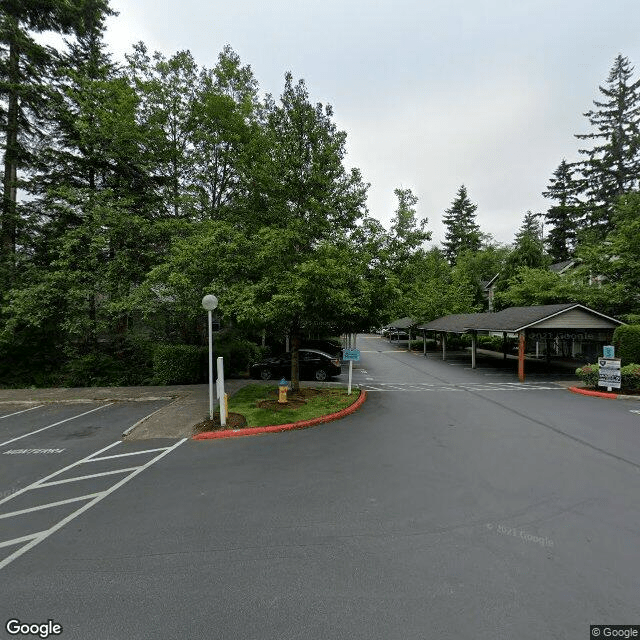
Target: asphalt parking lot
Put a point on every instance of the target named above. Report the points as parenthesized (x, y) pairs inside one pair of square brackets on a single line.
[(60, 459), (453, 504)]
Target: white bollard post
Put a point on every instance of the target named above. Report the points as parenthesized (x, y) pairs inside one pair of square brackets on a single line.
[(223, 415)]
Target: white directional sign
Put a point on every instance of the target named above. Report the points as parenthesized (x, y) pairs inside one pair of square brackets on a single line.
[(609, 374)]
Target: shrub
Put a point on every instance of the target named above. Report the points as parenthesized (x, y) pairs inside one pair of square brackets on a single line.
[(92, 370), (589, 375), (493, 343), (238, 354), (626, 340), (179, 364), (631, 377), (458, 341)]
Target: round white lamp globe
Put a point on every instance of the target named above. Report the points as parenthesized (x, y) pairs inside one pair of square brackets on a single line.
[(209, 302)]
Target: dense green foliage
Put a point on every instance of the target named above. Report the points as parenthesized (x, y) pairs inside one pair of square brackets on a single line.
[(179, 364), (626, 340), (150, 185)]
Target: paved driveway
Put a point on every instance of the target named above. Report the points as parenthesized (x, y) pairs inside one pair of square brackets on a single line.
[(449, 506)]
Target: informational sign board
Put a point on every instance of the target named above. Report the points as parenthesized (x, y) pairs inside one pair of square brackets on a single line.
[(609, 374), (351, 354), (608, 351)]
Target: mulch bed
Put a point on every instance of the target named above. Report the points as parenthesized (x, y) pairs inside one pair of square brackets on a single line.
[(295, 399), (234, 421)]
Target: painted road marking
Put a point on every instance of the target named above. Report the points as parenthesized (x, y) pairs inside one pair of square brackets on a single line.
[(478, 386), (55, 424), (14, 452), (87, 477), (31, 540), (18, 412), (122, 455), (49, 505)]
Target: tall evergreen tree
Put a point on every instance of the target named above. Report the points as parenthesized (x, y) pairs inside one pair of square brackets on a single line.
[(25, 88), (527, 252), (462, 232), (563, 217), (612, 164)]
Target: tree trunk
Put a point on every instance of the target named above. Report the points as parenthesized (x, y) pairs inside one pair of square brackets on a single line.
[(295, 360), (8, 228)]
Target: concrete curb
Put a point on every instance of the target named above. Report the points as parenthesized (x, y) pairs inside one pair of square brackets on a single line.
[(303, 424), (602, 394), (126, 432)]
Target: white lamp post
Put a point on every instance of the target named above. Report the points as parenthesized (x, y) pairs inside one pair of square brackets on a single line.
[(210, 303)]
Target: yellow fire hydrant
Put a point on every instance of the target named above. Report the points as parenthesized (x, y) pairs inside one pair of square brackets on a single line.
[(282, 391)]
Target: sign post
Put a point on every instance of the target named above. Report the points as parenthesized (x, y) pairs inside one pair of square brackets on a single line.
[(351, 355), (609, 374)]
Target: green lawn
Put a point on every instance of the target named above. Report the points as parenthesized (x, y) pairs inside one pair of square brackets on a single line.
[(319, 402)]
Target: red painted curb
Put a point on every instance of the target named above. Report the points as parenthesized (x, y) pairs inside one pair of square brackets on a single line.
[(595, 394), (275, 428)]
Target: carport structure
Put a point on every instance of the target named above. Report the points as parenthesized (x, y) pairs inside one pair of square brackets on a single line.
[(403, 324), (550, 324)]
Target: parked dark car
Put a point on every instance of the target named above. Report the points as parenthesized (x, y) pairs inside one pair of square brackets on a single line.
[(314, 365), (332, 347)]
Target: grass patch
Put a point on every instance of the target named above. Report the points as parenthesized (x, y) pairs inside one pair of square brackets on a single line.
[(310, 403)]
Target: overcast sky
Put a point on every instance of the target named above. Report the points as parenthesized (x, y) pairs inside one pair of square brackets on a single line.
[(432, 93)]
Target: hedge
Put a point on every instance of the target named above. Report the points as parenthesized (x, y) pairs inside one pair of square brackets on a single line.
[(626, 340), (630, 376), (179, 364)]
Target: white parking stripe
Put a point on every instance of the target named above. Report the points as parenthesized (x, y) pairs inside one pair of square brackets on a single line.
[(44, 535), (79, 478), (49, 505), (31, 536), (18, 412), (55, 424), (131, 453)]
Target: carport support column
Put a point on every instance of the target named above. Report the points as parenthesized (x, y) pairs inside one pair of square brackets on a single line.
[(504, 345), (521, 343), (473, 349), (444, 346), (424, 343)]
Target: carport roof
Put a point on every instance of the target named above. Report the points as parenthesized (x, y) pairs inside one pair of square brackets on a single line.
[(402, 323), (509, 320), (455, 323)]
